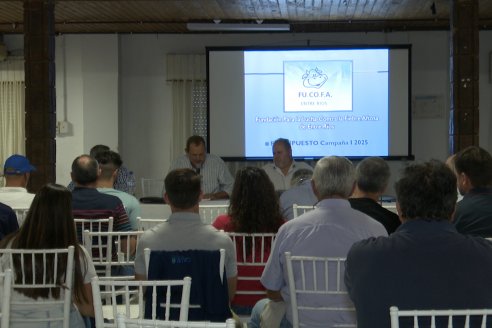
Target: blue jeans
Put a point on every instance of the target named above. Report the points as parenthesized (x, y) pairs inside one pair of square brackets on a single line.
[(256, 315)]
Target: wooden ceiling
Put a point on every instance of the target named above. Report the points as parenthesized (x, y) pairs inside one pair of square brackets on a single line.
[(171, 16)]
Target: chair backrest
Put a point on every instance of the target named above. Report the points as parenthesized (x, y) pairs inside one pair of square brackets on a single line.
[(209, 299), (6, 283), (146, 224), (92, 225), (127, 296), (252, 252), (110, 249), (301, 209), (208, 213), (32, 274), (21, 214), (311, 277), (124, 322), (152, 187), (441, 318)]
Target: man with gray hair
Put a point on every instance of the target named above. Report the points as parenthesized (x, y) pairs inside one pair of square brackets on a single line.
[(372, 175), (329, 231), (283, 167), (300, 193)]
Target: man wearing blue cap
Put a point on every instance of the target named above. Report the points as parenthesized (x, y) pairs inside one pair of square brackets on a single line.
[(16, 171)]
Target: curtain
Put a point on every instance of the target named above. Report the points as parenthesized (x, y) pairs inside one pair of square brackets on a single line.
[(184, 72), (12, 111)]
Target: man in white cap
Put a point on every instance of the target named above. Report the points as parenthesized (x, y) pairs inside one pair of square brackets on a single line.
[(16, 171)]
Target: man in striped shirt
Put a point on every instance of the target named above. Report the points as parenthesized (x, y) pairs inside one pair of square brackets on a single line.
[(217, 181), (87, 202)]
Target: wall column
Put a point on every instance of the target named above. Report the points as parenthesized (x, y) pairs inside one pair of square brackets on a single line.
[(464, 60), (39, 54)]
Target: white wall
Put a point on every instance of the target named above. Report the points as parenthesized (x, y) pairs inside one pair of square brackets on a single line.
[(87, 96), (115, 90)]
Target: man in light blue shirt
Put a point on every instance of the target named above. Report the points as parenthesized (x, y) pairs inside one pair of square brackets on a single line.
[(328, 231), (301, 193), (217, 181), (109, 163)]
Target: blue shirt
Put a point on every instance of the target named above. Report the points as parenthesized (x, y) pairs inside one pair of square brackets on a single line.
[(329, 230), (301, 195)]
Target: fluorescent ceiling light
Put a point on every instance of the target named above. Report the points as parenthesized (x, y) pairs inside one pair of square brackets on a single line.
[(237, 27)]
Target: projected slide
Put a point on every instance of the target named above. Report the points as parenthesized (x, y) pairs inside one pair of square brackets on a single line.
[(327, 102)]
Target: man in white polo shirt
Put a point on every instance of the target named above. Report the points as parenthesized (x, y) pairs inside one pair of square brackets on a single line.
[(283, 167), (17, 171)]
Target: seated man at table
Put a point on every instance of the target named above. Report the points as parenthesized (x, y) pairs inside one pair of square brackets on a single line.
[(283, 166), (217, 181)]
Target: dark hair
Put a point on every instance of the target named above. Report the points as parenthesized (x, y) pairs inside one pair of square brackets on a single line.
[(98, 149), (254, 205), (476, 163), (427, 190), (49, 225), (109, 161), (183, 187), (84, 169), (195, 140), (284, 142), (372, 175)]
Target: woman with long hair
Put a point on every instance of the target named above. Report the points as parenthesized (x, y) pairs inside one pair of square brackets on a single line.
[(254, 204), (254, 208), (49, 224)]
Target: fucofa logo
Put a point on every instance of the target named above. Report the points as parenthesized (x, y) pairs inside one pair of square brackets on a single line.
[(314, 78)]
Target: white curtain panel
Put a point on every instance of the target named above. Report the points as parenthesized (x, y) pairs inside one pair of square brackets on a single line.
[(184, 71), (12, 110)]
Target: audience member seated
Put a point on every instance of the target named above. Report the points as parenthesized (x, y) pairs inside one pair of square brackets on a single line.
[(283, 167), (329, 230), (88, 203), (125, 180), (425, 263), (110, 163), (8, 221), (371, 179), (17, 171), (216, 179), (473, 214), (184, 229), (253, 208), (300, 193), (49, 225)]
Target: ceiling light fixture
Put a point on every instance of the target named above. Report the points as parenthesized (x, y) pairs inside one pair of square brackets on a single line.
[(246, 27)]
